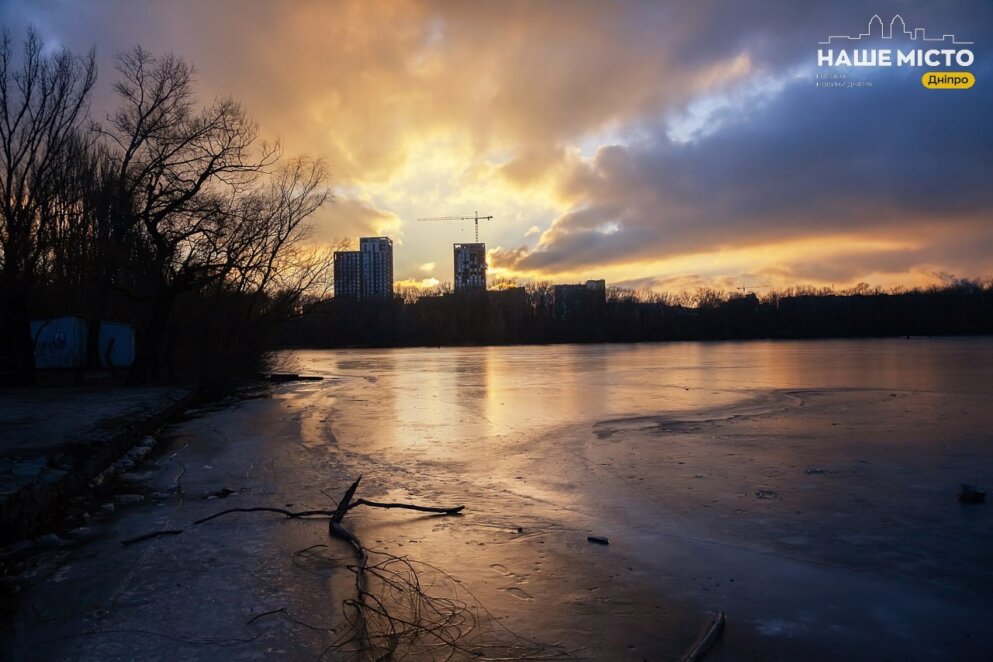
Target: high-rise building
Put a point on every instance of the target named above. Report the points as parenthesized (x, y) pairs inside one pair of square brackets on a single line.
[(470, 267), (366, 273), (572, 301), (377, 267), (347, 274)]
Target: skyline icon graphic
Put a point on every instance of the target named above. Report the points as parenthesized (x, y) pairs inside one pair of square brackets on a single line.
[(876, 28)]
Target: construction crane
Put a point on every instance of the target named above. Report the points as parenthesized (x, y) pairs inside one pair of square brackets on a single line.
[(748, 288), (475, 217)]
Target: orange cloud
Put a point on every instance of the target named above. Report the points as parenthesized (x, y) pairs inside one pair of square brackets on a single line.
[(623, 139)]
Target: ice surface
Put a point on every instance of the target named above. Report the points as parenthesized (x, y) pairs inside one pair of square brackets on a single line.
[(807, 489)]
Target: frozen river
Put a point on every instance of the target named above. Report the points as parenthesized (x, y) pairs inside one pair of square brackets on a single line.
[(807, 489)]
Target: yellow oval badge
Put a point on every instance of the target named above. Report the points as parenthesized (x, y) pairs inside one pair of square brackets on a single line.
[(948, 80)]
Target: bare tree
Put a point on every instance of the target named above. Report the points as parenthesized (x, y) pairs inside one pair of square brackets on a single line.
[(541, 295), (710, 298), (267, 250), (186, 188), (169, 198), (43, 101), (76, 253), (408, 294)]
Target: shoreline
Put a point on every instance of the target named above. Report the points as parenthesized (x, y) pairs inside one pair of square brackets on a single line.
[(557, 343), (41, 476)]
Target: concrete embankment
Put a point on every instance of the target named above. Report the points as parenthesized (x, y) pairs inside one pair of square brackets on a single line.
[(53, 442)]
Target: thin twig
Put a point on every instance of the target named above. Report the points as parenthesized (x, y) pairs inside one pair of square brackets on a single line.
[(408, 506), (149, 536), (287, 513), (265, 613)]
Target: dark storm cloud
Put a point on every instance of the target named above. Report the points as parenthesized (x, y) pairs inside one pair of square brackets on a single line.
[(895, 160)]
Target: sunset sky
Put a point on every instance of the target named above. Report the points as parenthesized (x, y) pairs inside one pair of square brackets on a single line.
[(664, 145)]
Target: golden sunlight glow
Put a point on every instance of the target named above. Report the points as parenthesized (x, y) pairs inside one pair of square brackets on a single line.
[(761, 261), (422, 284), (532, 114)]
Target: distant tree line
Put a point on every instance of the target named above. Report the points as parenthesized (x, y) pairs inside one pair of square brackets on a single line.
[(528, 314), (168, 214)]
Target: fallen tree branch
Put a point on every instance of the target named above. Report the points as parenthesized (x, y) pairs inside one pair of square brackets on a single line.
[(340, 511), (392, 613), (704, 643), (345, 503), (337, 530), (408, 506)]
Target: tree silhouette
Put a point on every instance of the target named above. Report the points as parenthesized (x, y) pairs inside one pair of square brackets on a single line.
[(43, 101)]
